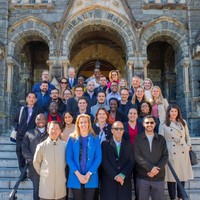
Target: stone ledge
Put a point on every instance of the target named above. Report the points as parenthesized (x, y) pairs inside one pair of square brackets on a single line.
[(35, 6), (161, 6)]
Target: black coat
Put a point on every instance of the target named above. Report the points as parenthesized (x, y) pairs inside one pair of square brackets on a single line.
[(126, 135), (107, 130), (114, 165), (23, 127), (146, 159), (124, 109), (72, 105), (91, 101)]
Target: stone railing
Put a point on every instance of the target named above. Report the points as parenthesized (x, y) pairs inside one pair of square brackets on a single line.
[(162, 4), (34, 4)]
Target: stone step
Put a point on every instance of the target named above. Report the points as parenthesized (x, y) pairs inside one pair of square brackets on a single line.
[(9, 172), (6, 162), (7, 147), (21, 194), (8, 154), (9, 183)]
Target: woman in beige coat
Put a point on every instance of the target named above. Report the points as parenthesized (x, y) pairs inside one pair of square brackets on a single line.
[(176, 133), (49, 162)]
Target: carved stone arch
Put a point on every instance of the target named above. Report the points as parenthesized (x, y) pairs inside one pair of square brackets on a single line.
[(30, 29), (99, 18), (165, 29)]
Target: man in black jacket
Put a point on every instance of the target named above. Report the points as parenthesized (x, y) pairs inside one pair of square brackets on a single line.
[(27, 115), (151, 156), (31, 139)]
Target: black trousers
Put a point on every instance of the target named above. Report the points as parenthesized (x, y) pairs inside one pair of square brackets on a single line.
[(172, 186), (21, 160), (83, 193)]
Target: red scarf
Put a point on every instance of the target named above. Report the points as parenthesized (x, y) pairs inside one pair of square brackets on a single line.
[(49, 118)]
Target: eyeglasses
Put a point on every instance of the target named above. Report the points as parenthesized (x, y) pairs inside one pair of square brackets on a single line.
[(63, 82), (118, 129), (149, 122)]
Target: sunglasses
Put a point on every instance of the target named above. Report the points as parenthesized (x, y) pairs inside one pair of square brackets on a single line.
[(118, 129), (149, 122), (63, 82)]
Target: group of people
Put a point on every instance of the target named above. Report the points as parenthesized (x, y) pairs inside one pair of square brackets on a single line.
[(87, 139)]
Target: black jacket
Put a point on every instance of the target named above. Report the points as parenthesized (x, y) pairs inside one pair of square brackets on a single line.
[(124, 109), (107, 130), (91, 101), (23, 127), (31, 139), (146, 160), (72, 105)]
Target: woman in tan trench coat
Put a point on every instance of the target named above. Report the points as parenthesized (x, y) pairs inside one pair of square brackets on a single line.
[(176, 133), (49, 162)]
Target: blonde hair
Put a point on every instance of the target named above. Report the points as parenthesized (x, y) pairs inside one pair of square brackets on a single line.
[(160, 97), (76, 134), (133, 101), (110, 75), (148, 79)]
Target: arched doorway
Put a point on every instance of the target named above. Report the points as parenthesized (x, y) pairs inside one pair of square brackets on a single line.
[(161, 68), (87, 69)]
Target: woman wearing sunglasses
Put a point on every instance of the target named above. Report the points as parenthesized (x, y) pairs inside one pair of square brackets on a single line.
[(63, 87)]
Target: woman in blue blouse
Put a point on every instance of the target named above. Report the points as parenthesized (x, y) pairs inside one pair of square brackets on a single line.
[(83, 156)]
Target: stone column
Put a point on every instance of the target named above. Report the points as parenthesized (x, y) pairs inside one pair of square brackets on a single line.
[(50, 64), (130, 65), (65, 64), (145, 64), (186, 65), (10, 65)]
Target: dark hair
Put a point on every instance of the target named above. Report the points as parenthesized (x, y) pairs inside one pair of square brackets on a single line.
[(64, 79), (178, 118), (45, 82), (114, 100), (82, 98), (101, 92), (55, 89), (31, 93), (149, 117), (63, 118), (54, 122), (149, 104), (96, 120)]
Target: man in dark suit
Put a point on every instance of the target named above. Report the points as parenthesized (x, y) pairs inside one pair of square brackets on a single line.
[(71, 77), (31, 139), (27, 115), (117, 163)]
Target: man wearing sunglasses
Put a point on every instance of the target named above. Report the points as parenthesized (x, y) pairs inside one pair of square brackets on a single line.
[(151, 156), (117, 163)]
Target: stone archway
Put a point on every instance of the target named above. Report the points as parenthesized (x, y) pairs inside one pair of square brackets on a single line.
[(174, 33)]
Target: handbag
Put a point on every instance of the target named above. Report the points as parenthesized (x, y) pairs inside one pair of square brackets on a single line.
[(193, 157), (13, 134)]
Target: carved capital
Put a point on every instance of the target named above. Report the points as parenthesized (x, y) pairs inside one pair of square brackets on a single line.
[(130, 63), (10, 63), (2, 52), (196, 51), (185, 63), (65, 63), (50, 62)]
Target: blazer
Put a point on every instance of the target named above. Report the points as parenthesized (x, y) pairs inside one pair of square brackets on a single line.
[(112, 166), (93, 161), (75, 83), (23, 127)]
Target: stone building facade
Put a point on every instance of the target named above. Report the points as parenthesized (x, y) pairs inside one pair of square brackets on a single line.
[(159, 39)]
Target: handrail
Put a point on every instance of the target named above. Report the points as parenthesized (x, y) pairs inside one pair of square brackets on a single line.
[(14, 190), (185, 196)]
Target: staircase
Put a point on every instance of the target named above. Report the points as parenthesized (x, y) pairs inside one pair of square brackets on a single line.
[(9, 173)]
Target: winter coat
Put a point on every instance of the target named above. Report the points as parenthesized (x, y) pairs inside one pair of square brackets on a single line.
[(49, 162), (178, 144)]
